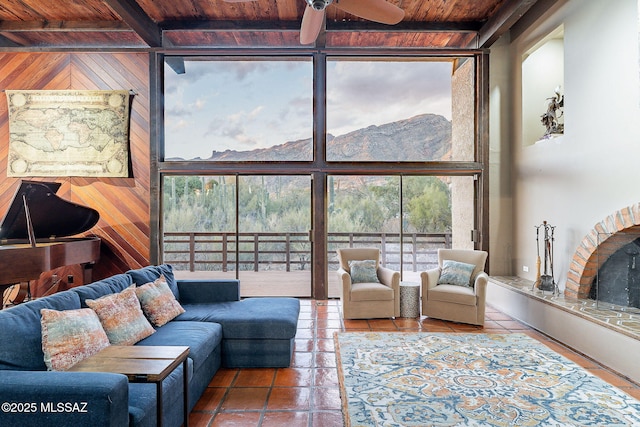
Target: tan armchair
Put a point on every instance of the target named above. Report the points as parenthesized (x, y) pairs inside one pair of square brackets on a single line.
[(368, 300), (463, 304)]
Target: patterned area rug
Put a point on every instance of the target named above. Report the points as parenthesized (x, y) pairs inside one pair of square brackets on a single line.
[(448, 379)]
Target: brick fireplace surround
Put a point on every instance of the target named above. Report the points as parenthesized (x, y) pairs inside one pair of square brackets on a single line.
[(606, 237)]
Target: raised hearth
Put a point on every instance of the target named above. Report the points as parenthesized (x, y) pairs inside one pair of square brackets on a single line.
[(605, 315), (610, 337)]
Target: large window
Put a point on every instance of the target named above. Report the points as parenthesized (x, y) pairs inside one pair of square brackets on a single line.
[(236, 109), (391, 110), (241, 169)]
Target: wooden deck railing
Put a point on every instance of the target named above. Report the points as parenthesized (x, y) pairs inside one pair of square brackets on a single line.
[(200, 251)]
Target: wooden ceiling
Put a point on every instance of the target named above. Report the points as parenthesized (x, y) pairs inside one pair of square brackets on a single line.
[(195, 24)]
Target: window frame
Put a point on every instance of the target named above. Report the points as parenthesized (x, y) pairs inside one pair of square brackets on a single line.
[(319, 168)]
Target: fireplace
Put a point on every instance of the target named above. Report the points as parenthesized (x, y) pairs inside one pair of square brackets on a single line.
[(618, 279), (606, 264)]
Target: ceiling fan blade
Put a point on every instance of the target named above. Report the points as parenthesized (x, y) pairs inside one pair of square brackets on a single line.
[(372, 10), (311, 25)]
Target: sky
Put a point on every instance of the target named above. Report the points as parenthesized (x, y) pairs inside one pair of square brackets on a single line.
[(243, 105)]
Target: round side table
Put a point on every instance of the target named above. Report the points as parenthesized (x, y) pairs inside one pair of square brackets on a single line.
[(409, 299)]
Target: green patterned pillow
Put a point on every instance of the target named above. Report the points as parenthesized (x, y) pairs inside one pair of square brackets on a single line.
[(456, 273), (364, 271)]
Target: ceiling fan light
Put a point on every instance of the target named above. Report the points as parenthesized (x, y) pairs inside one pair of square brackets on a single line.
[(319, 4)]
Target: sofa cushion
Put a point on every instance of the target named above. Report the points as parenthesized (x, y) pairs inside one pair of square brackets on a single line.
[(20, 326), (143, 399), (158, 303), (152, 272), (121, 317), (70, 336), (251, 318), (371, 292), (110, 285), (454, 294), (201, 338), (103, 395)]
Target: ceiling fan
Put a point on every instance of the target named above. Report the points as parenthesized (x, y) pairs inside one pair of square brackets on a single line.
[(372, 10)]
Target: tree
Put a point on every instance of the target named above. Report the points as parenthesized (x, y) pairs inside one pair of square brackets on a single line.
[(430, 211)]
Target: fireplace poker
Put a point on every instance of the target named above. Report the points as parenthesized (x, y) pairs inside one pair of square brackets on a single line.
[(537, 282), (547, 282)]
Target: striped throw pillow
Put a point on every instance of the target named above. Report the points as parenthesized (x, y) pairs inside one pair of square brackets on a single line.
[(456, 273)]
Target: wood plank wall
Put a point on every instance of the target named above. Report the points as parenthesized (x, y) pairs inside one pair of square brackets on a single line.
[(123, 203)]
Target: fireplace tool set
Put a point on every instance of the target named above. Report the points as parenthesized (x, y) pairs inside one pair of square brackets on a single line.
[(546, 281)]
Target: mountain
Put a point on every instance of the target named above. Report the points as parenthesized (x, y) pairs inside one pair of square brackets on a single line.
[(422, 137)]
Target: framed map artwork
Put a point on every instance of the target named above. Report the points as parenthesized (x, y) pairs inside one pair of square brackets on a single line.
[(68, 133)]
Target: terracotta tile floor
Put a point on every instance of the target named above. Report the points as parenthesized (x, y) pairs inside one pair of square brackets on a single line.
[(307, 394)]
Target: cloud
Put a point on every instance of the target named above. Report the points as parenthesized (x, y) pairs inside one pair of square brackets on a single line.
[(236, 127), (376, 84), (239, 70), (180, 110), (180, 124), (199, 104), (242, 69), (237, 132), (370, 92), (255, 112)]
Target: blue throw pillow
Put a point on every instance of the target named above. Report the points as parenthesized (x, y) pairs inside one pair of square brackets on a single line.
[(456, 273), (364, 271)]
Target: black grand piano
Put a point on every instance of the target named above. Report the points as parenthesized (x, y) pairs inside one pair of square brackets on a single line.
[(35, 235)]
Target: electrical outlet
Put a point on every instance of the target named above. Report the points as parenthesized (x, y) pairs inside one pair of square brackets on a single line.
[(525, 268)]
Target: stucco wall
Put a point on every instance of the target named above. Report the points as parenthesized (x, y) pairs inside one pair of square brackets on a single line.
[(462, 136), (576, 180)]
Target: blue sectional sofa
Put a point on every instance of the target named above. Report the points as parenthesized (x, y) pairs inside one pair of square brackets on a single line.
[(219, 328)]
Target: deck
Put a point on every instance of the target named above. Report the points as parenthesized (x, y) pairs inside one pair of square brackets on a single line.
[(277, 283)]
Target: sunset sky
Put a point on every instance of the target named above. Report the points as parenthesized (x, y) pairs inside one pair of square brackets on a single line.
[(243, 105)]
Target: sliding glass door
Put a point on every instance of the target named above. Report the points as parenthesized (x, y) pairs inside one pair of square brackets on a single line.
[(407, 217), (199, 224), (274, 251), (255, 228)]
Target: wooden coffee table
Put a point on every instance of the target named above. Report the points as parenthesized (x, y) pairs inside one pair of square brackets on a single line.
[(142, 364)]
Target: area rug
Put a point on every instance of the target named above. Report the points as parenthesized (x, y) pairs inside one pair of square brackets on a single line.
[(469, 379)]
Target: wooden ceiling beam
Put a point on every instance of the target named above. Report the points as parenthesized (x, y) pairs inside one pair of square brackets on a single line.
[(405, 27), (133, 15), (5, 42), (501, 21), (63, 26), (230, 25), (541, 7), (335, 26)]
